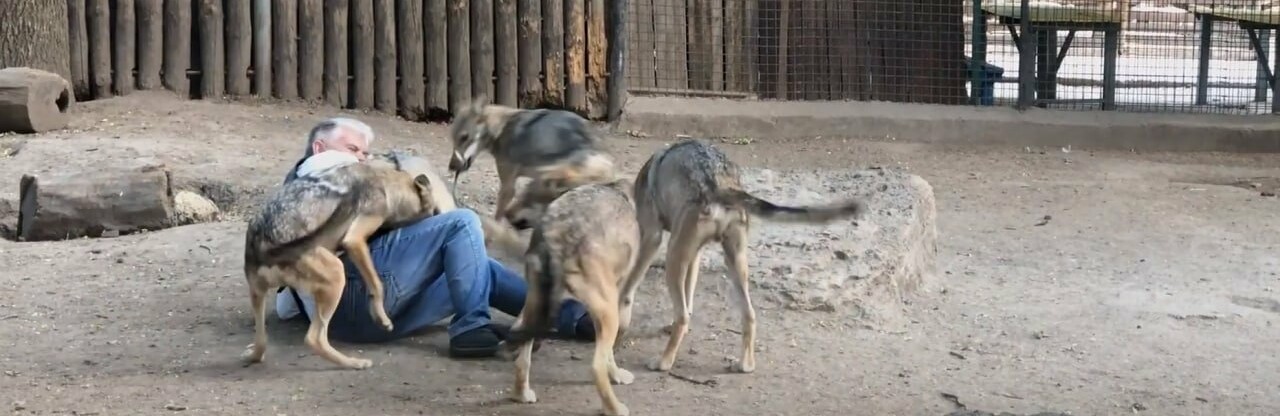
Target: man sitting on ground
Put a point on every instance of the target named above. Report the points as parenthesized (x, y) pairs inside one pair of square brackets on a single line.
[(430, 269)]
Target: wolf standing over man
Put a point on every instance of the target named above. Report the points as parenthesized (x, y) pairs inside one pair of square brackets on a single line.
[(431, 269)]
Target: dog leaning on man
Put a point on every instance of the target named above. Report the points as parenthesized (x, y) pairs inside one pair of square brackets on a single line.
[(434, 267)]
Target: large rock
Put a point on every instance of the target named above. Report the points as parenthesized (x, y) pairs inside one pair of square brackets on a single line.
[(33, 101), (193, 208), (863, 268)]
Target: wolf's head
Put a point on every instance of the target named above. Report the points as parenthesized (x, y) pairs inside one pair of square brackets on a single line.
[(469, 134)]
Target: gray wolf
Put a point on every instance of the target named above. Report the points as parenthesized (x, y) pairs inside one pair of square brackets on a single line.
[(693, 191), (583, 242), (293, 239), (526, 143)]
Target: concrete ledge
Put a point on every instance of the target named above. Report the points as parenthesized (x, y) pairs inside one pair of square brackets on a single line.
[(959, 125)]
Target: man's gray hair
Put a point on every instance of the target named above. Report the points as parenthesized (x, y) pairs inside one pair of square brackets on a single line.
[(324, 130)]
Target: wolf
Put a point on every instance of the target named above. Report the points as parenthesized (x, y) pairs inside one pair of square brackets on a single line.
[(532, 143), (693, 191), (294, 240), (584, 240)]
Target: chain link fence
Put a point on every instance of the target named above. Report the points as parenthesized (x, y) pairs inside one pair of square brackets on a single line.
[(1127, 55)]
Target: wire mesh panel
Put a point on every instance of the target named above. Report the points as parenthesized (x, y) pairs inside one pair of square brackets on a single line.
[(902, 51), (1128, 55), (1134, 55)]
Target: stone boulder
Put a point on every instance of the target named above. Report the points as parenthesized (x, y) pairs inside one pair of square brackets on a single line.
[(193, 208), (862, 268)]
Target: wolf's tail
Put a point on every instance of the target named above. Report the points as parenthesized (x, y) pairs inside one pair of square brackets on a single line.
[(780, 213), (538, 317)]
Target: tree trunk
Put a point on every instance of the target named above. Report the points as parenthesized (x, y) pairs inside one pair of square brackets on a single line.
[(34, 34)]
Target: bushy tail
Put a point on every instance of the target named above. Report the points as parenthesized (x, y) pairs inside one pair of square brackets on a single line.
[(538, 317), (780, 213), (503, 238)]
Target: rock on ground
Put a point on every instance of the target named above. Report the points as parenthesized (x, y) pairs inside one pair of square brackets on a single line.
[(8, 218), (863, 268), (192, 208)]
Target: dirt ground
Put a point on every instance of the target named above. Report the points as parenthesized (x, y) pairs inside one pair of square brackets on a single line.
[(1070, 281)]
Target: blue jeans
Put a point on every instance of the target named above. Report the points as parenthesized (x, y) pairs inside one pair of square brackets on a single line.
[(430, 270)]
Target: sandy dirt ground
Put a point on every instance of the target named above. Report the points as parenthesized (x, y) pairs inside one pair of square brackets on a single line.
[(1151, 288)]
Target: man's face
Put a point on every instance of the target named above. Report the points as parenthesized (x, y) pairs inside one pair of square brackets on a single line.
[(344, 140)]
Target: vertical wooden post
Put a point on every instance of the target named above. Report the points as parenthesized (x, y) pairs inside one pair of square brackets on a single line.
[(597, 44), (409, 25), (699, 19), (362, 41), (177, 45), (239, 33), (734, 50), (262, 47), (78, 45), (505, 53), (575, 35), (335, 54), (530, 34), (1026, 58), (212, 54), (310, 49), (482, 48), (784, 29), (459, 55), (284, 62), (437, 26), (384, 55), (553, 51), (123, 41), (150, 43), (617, 25), (99, 22)]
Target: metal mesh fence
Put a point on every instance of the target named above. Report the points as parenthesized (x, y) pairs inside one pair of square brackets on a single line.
[(1127, 55)]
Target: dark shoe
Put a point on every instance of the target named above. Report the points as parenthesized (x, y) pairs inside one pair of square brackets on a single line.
[(585, 330), (477, 343)]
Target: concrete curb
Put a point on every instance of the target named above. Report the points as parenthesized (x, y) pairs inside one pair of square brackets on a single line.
[(953, 125)]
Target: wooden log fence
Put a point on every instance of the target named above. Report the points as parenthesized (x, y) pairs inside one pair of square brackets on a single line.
[(426, 59)]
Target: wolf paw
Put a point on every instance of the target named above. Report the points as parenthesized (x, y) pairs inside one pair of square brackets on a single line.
[(656, 364), (525, 396), (359, 363), (252, 355), (622, 377)]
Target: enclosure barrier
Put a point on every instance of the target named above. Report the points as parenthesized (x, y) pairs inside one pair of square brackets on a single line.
[(425, 58), (417, 58)]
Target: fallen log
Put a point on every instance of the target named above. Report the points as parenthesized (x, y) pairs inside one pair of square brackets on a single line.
[(33, 100), (93, 203)]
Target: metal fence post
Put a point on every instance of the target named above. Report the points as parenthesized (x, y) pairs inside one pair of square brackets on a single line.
[(1026, 58)]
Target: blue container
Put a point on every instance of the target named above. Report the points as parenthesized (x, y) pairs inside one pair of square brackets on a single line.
[(987, 81)]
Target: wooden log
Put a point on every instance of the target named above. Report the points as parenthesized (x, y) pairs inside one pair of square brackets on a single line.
[(150, 14), (362, 54), (597, 44), (335, 55), (78, 45), (239, 38), (33, 100), (262, 48), (530, 34), (177, 45), (284, 49), (212, 55), (310, 49), (618, 42), (575, 35), (97, 202), (459, 55), (99, 22), (506, 49), (437, 28), (553, 52), (412, 84), (482, 48), (384, 55)]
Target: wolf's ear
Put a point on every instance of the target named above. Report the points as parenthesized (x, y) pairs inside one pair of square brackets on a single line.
[(422, 180), (478, 102)]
